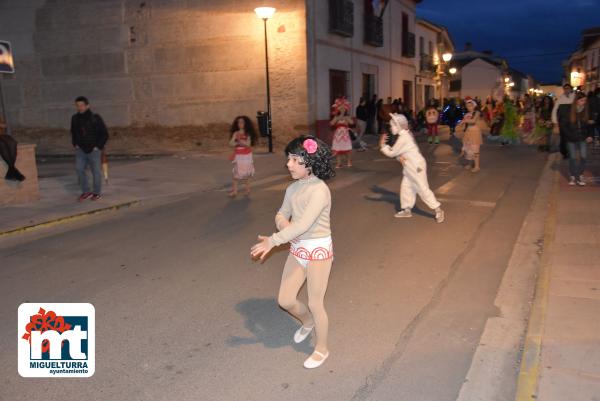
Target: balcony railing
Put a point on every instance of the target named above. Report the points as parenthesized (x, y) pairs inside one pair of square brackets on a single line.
[(373, 30), (426, 64), (341, 17), (408, 47)]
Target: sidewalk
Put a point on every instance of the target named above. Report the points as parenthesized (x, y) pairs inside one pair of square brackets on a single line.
[(570, 346), (130, 181)]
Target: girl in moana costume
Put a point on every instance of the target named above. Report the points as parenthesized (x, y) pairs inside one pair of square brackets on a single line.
[(342, 142)]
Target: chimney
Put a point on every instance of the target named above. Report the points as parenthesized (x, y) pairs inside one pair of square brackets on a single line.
[(468, 46)]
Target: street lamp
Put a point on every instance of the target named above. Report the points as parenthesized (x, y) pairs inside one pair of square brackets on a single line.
[(452, 70), (265, 13), (446, 57)]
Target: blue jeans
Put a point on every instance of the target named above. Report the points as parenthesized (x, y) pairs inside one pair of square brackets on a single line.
[(574, 169), (94, 160)]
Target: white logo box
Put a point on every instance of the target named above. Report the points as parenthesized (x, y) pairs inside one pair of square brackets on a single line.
[(79, 364)]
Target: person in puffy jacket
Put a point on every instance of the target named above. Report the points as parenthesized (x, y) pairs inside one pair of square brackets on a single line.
[(577, 136)]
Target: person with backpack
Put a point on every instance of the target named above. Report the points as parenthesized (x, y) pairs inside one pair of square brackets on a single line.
[(88, 136)]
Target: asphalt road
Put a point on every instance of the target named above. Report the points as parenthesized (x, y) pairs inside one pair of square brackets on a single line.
[(182, 313)]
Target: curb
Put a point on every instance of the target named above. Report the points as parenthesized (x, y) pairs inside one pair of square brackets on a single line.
[(494, 371), (66, 219), (527, 384)]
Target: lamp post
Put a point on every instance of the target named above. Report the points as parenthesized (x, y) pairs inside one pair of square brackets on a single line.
[(265, 13), (446, 57)]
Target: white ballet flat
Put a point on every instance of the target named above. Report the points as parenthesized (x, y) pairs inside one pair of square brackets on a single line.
[(311, 363), (301, 334)]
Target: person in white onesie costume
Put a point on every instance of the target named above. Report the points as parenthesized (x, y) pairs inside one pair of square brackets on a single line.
[(414, 181)]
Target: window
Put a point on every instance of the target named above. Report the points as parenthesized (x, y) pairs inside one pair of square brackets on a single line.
[(422, 45), (341, 17), (408, 39), (430, 48), (373, 26)]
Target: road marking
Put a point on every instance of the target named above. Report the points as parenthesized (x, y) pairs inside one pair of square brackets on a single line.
[(529, 373), (470, 202)]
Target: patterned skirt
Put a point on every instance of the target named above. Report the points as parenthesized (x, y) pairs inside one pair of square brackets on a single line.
[(243, 166), (341, 141)]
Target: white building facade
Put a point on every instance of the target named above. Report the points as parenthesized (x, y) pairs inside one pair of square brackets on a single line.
[(583, 67), (354, 50), (431, 80)]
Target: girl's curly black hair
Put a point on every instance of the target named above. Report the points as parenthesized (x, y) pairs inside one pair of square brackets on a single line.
[(318, 162), (248, 127)]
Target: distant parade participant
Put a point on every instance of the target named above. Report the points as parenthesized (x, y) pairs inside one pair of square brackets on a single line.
[(561, 116), (342, 142), (472, 139), (544, 125), (432, 117), (303, 221), (242, 138), (451, 115), (508, 132), (414, 180)]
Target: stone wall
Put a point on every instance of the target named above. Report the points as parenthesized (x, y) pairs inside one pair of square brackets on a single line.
[(164, 74)]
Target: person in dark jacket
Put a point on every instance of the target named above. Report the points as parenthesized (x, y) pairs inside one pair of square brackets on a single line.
[(577, 135), (362, 117), (372, 116), (89, 135), (594, 107), (451, 115)]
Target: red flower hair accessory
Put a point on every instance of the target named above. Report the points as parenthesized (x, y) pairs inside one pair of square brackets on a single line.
[(310, 145)]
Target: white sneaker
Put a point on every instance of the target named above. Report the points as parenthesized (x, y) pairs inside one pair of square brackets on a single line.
[(301, 334), (312, 363), (440, 216), (581, 181), (572, 181), (403, 213)]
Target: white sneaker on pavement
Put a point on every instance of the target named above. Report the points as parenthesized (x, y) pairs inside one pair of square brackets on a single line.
[(572, 181), (403, 213), (581, 181)]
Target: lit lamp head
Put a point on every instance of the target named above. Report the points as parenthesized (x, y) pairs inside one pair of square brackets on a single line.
[(507, 79), (264, 12), (447, 57), (452, 70)]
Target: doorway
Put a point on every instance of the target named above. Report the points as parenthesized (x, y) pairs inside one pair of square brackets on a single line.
[(338, 84), (407, 98), (368, 86)]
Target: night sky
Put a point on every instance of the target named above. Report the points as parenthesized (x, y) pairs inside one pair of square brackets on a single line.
[(534, 36)]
